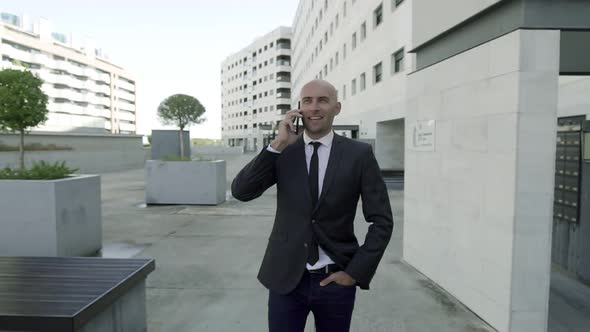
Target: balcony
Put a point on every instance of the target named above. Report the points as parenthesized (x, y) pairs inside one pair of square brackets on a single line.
[(284, 44), (282, 109)]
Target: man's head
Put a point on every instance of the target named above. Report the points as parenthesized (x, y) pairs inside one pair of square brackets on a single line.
[(319, 106)]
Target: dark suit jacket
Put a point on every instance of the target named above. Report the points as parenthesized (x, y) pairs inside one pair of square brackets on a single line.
[(352, 172)]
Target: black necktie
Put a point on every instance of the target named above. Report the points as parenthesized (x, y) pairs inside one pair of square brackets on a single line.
[(314, 173), (314, 166)]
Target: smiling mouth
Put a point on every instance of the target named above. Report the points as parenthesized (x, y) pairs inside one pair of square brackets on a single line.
[(315, 117)]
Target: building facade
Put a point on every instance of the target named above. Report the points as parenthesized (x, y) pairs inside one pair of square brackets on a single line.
[(256, 90), (87, 92), (497, 203), (361, 48)]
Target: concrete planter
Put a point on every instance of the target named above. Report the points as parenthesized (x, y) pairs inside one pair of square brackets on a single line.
[(185, 182), (51, 217)]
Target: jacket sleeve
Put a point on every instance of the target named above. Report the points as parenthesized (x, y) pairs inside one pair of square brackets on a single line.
[(257, 176), (377, 211)]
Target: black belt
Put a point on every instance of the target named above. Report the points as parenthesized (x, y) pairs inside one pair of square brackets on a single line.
[(330, 268)]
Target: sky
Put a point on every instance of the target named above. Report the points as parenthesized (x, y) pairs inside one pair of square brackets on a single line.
[(169, 46)]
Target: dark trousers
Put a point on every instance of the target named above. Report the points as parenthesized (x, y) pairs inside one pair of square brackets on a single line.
[(331, 306)]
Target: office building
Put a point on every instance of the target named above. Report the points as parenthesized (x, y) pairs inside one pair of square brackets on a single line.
[(87, 92), (256, 90)]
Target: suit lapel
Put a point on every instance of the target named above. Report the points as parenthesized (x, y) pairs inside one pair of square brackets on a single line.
[(332, 168)]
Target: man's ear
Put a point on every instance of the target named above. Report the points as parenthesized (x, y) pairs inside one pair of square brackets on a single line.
[(338, 108)]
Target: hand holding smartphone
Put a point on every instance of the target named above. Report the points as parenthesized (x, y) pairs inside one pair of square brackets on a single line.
[(297, 121)]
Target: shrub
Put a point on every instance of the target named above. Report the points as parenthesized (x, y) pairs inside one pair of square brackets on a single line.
[(39, 171)]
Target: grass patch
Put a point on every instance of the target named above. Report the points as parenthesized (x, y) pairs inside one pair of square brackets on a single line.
[(205, 141), (195, 158)]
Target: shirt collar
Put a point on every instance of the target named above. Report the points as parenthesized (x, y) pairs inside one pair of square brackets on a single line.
[(326, 140)]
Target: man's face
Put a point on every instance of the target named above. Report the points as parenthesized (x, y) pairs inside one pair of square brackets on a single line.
[(318, 107)]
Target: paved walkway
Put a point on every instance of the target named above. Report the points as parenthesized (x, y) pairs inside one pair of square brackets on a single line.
[(207, 259)]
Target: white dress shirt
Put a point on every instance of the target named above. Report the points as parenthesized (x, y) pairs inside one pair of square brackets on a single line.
[(323, 156)]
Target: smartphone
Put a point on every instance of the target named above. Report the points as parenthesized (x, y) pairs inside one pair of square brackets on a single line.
[(297, 121)]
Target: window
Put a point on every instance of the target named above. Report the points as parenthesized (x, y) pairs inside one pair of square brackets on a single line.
[(344, 51), (325, 70), (337, 19), (326, 37), (354, 40), (336, 59), (363, 31), (344, 8), (271, 60), (344, 92), (331, 29), (363, 82), (396, 3), (353, 86), (378, 16), (331, 64), (397, 61), (377, 73)]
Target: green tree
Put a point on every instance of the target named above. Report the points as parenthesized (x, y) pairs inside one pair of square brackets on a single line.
[(23, 104), (182, 111)]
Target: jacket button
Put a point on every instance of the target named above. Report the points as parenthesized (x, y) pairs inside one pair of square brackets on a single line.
[(305, 245), (313, 221)]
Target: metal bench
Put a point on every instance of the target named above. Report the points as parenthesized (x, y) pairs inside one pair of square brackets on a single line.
[(64, 294)]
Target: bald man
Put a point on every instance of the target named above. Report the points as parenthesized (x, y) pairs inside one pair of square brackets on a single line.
[(313, 261)]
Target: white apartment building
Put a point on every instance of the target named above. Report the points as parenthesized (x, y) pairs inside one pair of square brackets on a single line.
[(256, 90), (87, 93), (361, 48)]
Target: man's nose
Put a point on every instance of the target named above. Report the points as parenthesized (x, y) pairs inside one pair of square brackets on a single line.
[(314, 106)]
